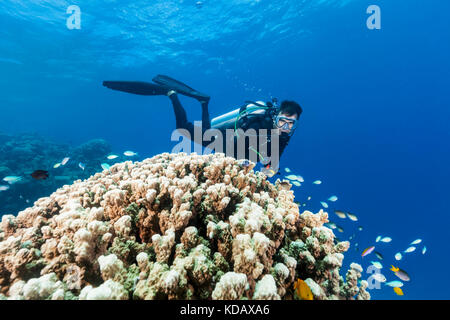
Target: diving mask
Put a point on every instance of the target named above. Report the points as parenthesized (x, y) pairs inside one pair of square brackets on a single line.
[(286, 124)]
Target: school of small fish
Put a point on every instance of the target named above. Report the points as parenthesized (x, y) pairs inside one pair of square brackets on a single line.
[(403, 275), (296, 180), (43, 175), (399, 273)]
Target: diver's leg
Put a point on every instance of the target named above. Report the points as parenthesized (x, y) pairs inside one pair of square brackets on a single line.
[(180, 114), (206, 123), (183, 123)]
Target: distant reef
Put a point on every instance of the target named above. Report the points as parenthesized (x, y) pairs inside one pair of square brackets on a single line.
[(22, 154), (175, 226)]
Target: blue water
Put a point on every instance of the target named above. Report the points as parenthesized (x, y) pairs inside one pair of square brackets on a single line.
[(375, 127)]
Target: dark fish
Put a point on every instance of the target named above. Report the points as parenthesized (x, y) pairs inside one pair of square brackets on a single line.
[(40, 174), (379, 256), (402, 274)]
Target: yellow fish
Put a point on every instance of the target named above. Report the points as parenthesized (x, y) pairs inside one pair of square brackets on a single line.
[(302, 289), (394, 268), (398, 291)]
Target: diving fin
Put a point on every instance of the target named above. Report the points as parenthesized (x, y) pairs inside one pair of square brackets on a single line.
[(136, 87), (180, 87)]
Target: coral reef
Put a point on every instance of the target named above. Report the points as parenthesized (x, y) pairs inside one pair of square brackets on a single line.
[(93, 149), (22, 154), (175, 226)]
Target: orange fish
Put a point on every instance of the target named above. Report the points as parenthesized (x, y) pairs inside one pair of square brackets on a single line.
[(398, 291), (302, 289)]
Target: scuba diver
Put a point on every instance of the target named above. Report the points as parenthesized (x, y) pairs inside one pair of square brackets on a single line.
[(256, 127)]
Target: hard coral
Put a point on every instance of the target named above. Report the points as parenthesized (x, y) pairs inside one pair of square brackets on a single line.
[(175, 226)]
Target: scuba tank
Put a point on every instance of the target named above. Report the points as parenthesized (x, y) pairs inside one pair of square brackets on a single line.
[(245, 113)]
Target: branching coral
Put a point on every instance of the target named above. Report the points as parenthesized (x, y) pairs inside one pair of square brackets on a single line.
[(175, 226)]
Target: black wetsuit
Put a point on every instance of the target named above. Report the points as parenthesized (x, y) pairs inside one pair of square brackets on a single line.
[(256, 122)]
